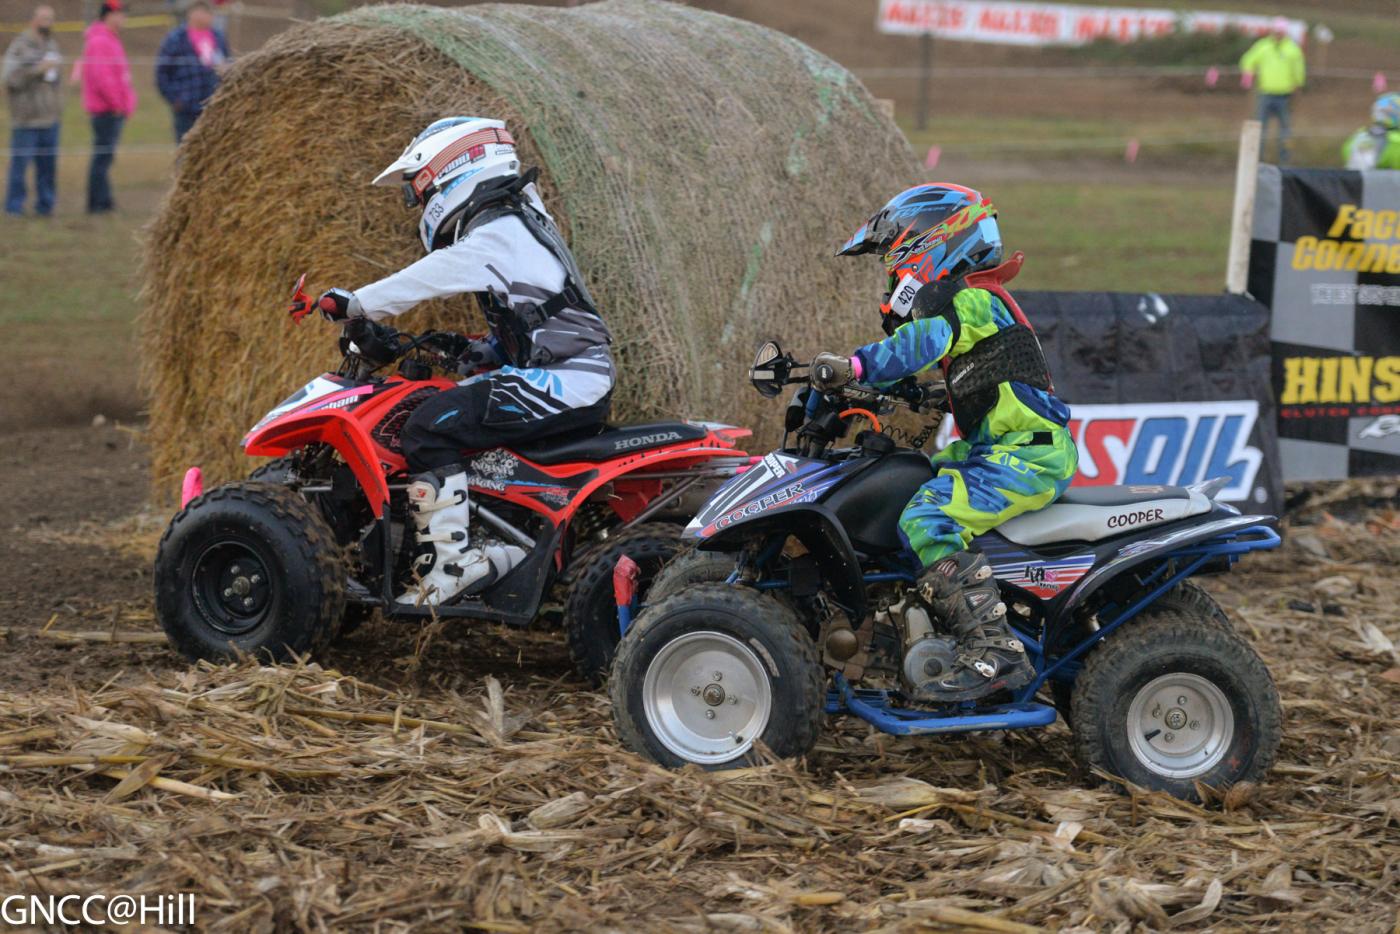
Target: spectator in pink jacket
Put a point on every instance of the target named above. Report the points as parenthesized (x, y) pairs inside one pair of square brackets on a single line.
[(108, 97)]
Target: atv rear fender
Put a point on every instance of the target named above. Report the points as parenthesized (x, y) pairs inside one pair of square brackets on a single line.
[(1154, 545), (326, 426)]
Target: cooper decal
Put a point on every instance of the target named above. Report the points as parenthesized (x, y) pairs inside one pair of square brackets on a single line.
[(1137, 517), (777, 498)]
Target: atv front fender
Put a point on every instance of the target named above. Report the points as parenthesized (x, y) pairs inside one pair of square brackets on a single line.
[(823, 537), (326, 426)]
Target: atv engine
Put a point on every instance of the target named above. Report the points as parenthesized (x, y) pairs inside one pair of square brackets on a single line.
[(927, 653)]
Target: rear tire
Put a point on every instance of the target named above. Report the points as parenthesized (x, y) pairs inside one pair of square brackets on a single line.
[(1183, 676), (771, 685), (1188, 598), (590, 609), (1191, 599), (253, 568)]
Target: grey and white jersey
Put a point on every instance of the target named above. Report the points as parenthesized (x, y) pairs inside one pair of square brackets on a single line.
[(570, 364)]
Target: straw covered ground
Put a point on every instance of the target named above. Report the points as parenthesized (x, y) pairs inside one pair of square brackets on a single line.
[(705, 168), (430, 779)]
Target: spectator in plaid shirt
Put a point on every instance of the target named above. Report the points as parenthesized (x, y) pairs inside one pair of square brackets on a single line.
[(192, 58)]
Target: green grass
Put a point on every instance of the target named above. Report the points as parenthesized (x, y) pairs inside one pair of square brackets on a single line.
[(68, 283), (1133, 237)]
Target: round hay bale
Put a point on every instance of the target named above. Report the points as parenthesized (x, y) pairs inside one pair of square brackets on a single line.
[(704, 168)]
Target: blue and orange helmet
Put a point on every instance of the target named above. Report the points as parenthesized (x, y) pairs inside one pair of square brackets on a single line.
[(934, 233)]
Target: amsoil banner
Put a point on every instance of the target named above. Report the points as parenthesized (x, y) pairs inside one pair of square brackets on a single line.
[(1325, 258), (1164, 388), (1012, 23)]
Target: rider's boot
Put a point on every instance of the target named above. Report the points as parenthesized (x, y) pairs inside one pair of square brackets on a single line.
[(961, 591), (446, 566)]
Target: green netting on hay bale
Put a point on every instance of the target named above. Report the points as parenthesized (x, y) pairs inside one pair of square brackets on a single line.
[(704, 167)]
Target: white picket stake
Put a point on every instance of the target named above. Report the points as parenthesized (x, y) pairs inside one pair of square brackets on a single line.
[(1242, 215)]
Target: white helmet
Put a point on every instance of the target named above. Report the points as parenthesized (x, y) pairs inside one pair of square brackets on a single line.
[(445, 165)]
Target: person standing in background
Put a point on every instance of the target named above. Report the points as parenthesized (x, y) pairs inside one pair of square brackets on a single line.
[(192, 58), (108, 97), (1275, 64), (31, 76)]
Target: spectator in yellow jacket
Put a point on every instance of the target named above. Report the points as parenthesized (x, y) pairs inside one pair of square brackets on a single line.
[(1274, 66)]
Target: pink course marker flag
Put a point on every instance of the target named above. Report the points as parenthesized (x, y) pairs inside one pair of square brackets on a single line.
[(1130, 153), (931, 160), (1378, 83), (193, 486), (1212, 76)]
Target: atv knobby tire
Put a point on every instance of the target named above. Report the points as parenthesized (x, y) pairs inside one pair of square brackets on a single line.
[(205, 594), (764, 628), (1164, 644), (590, 608), (688, 568), (1187, 597), (279, 472)]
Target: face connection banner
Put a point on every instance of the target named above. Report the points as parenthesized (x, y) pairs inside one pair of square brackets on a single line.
[(1164, 389), (1325, 258), (1008, 22)]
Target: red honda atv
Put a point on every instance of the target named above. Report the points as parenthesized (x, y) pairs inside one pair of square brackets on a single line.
[(313, 542)]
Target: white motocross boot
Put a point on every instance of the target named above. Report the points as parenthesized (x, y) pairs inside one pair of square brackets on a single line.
[(446, 566)]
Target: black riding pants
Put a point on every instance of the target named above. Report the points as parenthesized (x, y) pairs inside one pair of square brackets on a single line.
[(450, 422)]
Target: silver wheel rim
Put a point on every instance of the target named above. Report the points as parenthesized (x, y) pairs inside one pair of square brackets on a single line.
[(1180, 725), (706, 697)]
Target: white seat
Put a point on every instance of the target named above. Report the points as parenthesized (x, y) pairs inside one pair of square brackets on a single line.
[(1089, 514)]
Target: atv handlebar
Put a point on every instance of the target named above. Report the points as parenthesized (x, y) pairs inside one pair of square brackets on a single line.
[(822, 416), (773, 369), (368, 346)]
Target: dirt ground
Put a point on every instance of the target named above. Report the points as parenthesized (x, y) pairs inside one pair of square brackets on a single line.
[(421, 780)]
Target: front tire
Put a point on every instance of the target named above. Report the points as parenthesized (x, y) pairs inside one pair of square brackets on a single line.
[(590, 608), (1175, 700), (249, 568), (691, 567), (705, 674)]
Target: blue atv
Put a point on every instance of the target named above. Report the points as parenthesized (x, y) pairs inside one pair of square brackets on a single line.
[(797, 601)]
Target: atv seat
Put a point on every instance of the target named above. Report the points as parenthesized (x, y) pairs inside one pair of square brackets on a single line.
[(609, 443), (1089, 514)]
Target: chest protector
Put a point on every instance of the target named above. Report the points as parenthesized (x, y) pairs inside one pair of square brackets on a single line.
[(514, 323), (974, 379)]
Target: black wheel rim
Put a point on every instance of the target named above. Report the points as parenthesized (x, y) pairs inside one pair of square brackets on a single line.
[(232, 589)]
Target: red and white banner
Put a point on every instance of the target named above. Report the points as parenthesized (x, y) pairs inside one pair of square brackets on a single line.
[(1014, 23)]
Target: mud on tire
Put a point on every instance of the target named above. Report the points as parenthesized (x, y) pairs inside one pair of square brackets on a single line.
[(1128, 699), (590, 609), (249, 567), (772, 687)]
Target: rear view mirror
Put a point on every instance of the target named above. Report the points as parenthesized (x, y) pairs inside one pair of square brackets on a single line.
[(770, 369)]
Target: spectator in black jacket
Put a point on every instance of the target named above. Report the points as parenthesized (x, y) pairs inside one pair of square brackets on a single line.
[(192, 58)]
